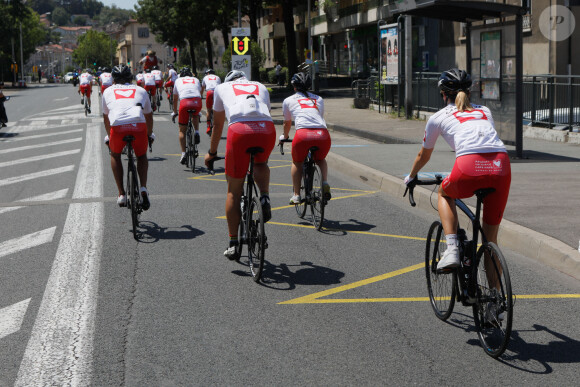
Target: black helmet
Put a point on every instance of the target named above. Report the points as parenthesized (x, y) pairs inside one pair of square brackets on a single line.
[(170, 66), (209, 71), (234, 74), (147, 71), (155, 67), (301, 81), (454, 80), (121, 73), (185, 72), (106, 70)]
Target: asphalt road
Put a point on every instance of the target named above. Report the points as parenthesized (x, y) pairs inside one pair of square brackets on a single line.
[(83, 303)]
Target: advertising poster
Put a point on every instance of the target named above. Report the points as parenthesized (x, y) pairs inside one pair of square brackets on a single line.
[(490, 65), (389, 54)]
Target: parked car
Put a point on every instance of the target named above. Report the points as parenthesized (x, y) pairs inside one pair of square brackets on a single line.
[(68, 77)]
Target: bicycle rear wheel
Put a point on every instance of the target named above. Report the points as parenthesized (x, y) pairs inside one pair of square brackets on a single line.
[(442, 288), (301, 208), (317, 201), (256, 238), (493, 311), (189, 148), (134, 199)]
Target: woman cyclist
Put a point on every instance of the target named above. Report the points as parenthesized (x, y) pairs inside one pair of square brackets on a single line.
[(307, 110), (481, 160)]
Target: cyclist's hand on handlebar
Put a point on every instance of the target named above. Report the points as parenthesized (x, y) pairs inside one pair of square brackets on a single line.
[(173, 115), (106, 140), (151, 140), (410, 181)]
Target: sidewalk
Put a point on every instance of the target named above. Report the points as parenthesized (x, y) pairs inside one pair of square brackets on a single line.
[(542, 217)]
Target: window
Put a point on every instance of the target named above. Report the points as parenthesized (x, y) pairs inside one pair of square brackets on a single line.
[(143, 32)]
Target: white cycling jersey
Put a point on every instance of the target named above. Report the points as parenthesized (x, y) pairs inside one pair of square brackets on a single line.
[(120, 104), (308, 112), (106, 79), (210, 81), (172, 75), (242, 100), (149, 79), (85, 79), (187, 87), (157, 74), (139, 77), (466, 132)]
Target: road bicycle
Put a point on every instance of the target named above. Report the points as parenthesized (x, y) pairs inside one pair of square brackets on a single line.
[(152, 100), (191, 151), (86, 103), (159, 97), (134, 201), (170, 97), (251, 230), (311, 191), (481, 281)]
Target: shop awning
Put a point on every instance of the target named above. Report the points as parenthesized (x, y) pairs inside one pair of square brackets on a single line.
[(461, 11)]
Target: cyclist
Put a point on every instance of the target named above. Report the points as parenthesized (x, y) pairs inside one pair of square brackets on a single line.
[(127, 111), (139, 79), (149, 60), (86, 87), (150, 86), (307, 109), (158, 80), (246, 106), (209, 83), (186, 95), (481, 160), (105, 79), (171, 77)]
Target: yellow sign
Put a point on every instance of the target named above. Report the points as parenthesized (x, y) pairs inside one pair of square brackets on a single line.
[(242, 46)]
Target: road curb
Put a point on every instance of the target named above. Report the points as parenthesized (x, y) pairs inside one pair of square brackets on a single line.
[(525, 241)]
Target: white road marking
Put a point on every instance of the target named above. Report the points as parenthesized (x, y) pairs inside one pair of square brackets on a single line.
[(38, 158), (60, 349), (48, 196), (27, 147), (28, 128), (36, 175), (26, 138), (26, 242), (11, 318)]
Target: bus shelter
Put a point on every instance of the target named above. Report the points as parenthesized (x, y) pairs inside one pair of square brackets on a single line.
[(493, 55)]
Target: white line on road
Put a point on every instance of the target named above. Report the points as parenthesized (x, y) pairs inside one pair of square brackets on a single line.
[(60, 349), (26, 138), (38, 158), (27, 147), (36, 175), (26, 242), (48, 196), (11, 318), (28, 128)]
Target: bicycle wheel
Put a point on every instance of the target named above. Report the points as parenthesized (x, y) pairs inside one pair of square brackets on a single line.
[(301, 208), (189, 149), (493, 311), (441, 287), (317, 203), (133, 197), (256, 238), (86, 107)]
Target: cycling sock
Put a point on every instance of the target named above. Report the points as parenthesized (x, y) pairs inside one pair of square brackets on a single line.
[(183, 153), (451, 240), (233, 240)]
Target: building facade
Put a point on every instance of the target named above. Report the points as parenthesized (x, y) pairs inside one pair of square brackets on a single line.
[(134, 40)]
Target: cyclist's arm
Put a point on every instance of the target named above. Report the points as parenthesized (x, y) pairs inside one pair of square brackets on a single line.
[(149, 122), (287, 127), (107, 124), (202, 89), (420, 161), (219, 117), (175, 102)]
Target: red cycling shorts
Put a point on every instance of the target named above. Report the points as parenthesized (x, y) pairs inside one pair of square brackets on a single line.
[(188, 104), (151, 89), (482, 170), (209, 100), (306, 138), (139, 131), (103, 88), (86, 89), (159, 84), (169, 83), (140, 83), (244, 135)]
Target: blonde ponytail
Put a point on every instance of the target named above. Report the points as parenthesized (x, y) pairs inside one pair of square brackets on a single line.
[(462, 101)]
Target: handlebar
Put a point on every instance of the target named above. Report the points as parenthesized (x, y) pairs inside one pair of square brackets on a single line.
[(411, 187), (281, 144), (210, 164)]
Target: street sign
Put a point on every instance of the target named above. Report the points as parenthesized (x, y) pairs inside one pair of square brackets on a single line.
[(240, 44)]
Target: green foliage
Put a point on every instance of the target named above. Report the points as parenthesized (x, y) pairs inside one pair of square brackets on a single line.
[(60, 16), (272, 75), (79, 21), (94, 47), (114, 15)]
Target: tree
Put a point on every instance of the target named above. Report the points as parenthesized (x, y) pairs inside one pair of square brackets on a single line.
[(60, 16), (288, 16), (94, 47), (114, 15)]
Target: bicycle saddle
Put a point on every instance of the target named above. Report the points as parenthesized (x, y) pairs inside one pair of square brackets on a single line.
[(128, 138), (254, 150), (483, 192)]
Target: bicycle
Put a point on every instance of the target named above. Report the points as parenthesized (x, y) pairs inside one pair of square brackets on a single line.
[(210, 121), (170, 97), (251, 230), (191, 151), (152, 101), (481, 281), (158, 97), (86, 102), (311, 192), (134, 202)]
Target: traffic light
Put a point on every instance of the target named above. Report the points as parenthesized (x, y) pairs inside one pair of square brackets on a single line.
[(94, 63), (174, 54)]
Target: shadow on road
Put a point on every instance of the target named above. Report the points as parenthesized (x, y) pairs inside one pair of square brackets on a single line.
[(151, 232)]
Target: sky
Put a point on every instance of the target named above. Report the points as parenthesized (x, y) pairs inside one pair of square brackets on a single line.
[(126, 4)]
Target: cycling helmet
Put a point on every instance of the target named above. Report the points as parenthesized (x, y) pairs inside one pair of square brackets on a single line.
[(88, 71), (301, 81), (170, 66), (106, 70), (454, 80), (185, 72), (147, 71), (209, 71), (121, 73), (234, 74), (155, 67)]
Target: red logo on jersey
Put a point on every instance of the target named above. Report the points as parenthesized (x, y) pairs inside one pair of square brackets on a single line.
[(307, 103), (242, 89), (128, 93), (475, 114), (211, 78), (188, 81)]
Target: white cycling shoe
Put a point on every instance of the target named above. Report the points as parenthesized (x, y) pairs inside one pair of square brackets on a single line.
[(122, 201), (295, 199), (450, 259)]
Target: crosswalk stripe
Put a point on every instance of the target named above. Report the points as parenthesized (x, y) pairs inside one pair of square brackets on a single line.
[(36, 175), (11, 318), (38, 158), (25, 138), (27, 147), (28, 128), (27, 241), (48, 196)]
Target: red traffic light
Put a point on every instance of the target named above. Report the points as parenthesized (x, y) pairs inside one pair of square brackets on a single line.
[(345, 46), (174, 49)]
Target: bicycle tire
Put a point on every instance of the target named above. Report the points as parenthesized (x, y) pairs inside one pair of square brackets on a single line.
[(442, 288), (188, 147), (194, 154), (86, 107), (133, 197), (256, 238), (301, 208), (493, 332), (317, 202)]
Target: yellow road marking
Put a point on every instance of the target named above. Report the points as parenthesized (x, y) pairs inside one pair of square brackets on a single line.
[(536, 296)]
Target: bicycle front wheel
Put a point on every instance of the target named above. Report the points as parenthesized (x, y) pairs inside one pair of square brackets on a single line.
[(316, 196), (256, 238), (133, 196), (493, 311), (441, 287)]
